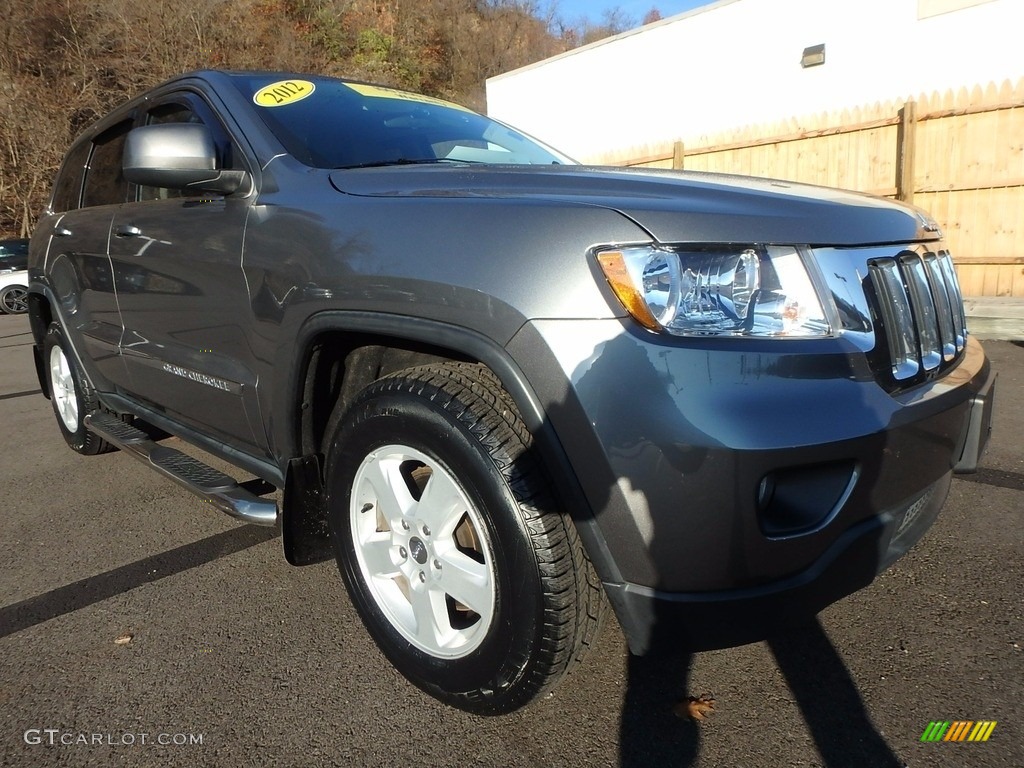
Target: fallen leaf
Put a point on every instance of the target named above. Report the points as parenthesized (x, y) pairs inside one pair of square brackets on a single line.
[(695, 708), (123, 639)]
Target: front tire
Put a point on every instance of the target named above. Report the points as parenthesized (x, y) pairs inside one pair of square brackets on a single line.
[(470, 581), (70, 394)]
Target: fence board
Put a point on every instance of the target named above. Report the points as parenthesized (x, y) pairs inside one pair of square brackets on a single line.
[(966, 167)]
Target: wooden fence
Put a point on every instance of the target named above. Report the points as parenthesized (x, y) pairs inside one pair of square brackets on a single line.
[(958, 155)]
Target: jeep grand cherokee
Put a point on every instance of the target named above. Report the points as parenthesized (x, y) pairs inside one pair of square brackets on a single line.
[(504, 390)]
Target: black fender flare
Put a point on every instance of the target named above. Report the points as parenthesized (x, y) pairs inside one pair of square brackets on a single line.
[(39, 291), (466, 342)]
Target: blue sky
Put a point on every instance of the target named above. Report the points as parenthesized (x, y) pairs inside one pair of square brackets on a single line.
[(592, 9)]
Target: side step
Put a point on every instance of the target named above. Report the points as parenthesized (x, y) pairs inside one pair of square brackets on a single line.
[(204, 481)]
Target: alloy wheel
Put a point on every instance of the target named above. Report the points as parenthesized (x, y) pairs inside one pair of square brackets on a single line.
[(15, 301), (62, 389), (423, 551)]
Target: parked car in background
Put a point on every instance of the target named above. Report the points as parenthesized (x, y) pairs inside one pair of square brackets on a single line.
[(13, 291), (500, 388), (13, 254)]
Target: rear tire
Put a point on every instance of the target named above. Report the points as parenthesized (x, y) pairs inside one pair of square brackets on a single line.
[(70, 395), (469, 579)]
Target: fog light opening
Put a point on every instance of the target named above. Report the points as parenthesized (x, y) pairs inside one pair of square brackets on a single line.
[(799, 500)]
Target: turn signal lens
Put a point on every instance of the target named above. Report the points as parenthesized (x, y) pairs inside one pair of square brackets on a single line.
[(613, 263)]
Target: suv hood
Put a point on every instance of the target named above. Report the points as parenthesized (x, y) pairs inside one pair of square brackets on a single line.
[(673, 206)]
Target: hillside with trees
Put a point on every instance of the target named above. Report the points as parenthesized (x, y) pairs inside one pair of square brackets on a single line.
[(63, 63)]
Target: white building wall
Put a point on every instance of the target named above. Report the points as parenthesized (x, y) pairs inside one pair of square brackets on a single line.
[(737, 62)]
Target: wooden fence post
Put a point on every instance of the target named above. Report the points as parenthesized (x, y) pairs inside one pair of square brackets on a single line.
[(906, 135), (678, 153)]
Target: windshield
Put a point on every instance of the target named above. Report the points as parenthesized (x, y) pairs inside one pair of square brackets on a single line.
[(328, 123)]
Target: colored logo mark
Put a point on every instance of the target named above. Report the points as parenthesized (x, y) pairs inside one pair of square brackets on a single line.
[(958, 730)]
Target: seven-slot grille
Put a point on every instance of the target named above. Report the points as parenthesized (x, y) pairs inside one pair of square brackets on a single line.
[(922, 311)]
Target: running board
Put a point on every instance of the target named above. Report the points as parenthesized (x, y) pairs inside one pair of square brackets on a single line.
[(204, 481)]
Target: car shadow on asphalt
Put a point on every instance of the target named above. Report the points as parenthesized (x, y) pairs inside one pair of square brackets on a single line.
[(995, 477), (650, 734), (95, 589), (829, 700)]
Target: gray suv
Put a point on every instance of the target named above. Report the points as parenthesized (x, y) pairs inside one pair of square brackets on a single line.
[(501, 389)]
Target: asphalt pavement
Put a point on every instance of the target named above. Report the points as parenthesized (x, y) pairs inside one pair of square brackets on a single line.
[(138, 627)]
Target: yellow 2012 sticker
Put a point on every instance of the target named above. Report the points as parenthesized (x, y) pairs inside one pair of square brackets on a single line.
[(283, 92)]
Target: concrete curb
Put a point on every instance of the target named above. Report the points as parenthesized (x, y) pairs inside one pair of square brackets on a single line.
[(995, 317)]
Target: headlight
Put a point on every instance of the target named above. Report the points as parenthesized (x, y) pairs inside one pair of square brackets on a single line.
[(719, 290)]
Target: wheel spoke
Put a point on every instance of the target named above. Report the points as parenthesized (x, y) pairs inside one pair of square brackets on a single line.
[(466, 580), (431, 616), (377, 554), (441, 505), (393, 497)]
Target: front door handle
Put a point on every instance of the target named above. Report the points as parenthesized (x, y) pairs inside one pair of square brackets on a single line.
[(62, 232), (127, 230)]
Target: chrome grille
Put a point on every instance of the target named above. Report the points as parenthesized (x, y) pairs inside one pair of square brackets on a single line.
[(922, 312), (940, 295)]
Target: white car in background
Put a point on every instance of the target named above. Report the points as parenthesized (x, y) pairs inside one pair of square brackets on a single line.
[(14, 291)]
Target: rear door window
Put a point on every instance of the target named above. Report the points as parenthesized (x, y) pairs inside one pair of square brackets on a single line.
[(67, 190)]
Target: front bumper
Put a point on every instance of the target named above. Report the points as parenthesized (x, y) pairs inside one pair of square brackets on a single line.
[(738, 485), (699, 621)]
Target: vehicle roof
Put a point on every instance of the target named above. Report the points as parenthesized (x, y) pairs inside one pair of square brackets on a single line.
[(213, 77)]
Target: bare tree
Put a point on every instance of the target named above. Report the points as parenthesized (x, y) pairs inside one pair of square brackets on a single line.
[(651, 16), (65, 62)]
